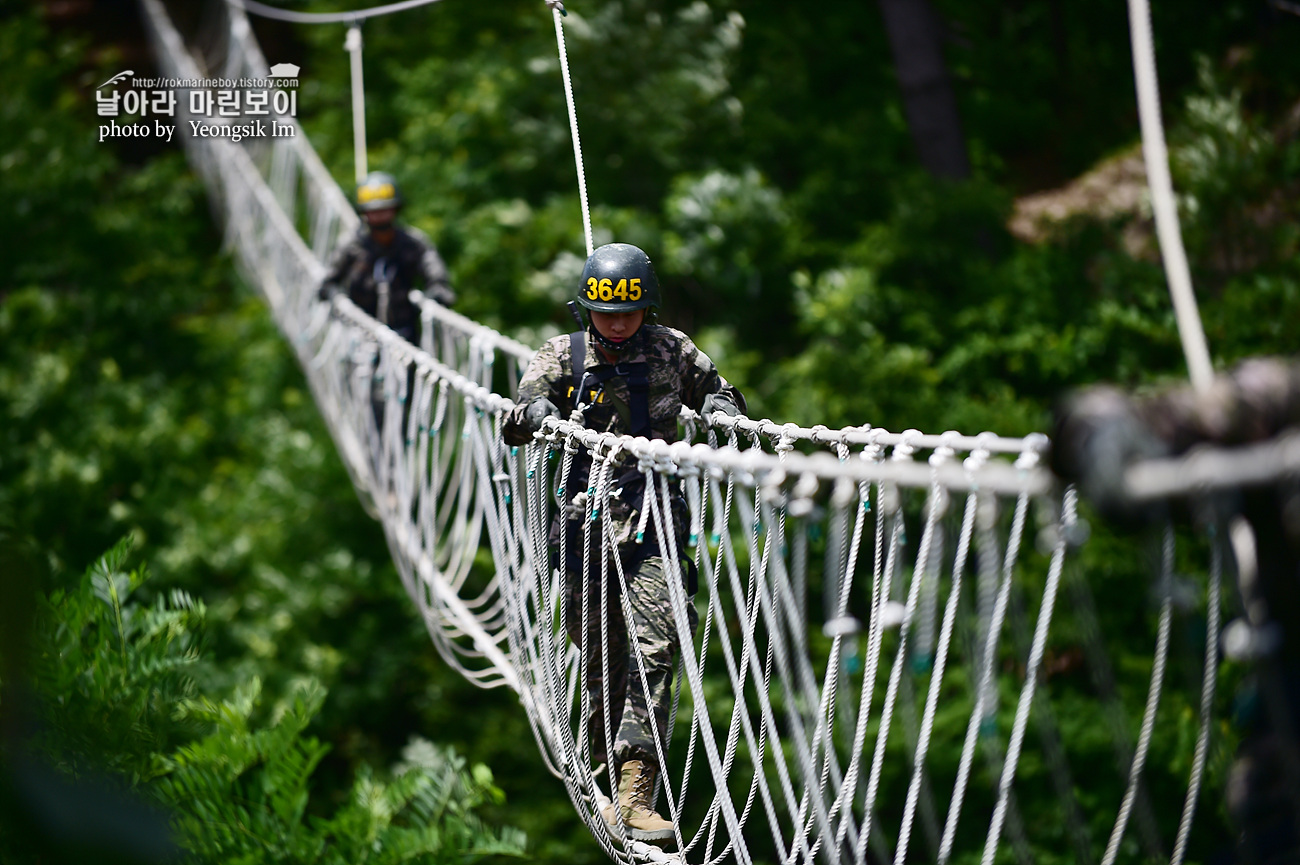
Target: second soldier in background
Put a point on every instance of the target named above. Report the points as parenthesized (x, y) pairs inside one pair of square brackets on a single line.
[(380, 266)]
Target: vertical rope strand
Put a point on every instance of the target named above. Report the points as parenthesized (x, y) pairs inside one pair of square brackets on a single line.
[(573, 128), (352, 45), (1163, 204), (1212, 614)]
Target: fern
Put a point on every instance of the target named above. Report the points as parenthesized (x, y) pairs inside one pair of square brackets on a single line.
[(112, 670), (241, 795), (119, 680)]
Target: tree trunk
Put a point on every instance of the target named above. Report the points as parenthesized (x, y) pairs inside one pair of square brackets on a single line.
[(915, 39)]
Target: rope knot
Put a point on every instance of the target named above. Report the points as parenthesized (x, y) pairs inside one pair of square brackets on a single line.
[(906, 447), (783, 442)]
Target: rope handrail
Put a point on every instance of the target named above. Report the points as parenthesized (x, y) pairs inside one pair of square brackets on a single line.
[(988, 475), (464, 323), (1205, 469)]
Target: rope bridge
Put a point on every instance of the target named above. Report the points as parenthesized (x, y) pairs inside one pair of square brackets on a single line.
[(864, 595)]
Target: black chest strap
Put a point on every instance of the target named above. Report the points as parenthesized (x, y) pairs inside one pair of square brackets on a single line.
[(637, 376)]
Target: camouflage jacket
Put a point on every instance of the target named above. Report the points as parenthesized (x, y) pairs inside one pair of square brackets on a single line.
[(679, 374), (410, 261)]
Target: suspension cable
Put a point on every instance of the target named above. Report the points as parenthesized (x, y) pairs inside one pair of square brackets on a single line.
[(277, 14), (352, 45), (557, 10), (1156, 155)]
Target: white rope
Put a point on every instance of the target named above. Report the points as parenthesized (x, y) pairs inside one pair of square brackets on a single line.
[(984, 695), (1209, 679), (352, 45), (557, 11), (1216, 468), (1153, 698), (1031, 681), (277, 14), (1163, 204), (936, 675)]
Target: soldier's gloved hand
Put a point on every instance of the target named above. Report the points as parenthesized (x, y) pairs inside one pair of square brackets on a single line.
[(441, 292), (539, 410), (1097, 436), (719, 402)]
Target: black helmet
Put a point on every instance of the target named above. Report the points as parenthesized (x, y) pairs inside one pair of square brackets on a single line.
[(618, 278), (378, 191)]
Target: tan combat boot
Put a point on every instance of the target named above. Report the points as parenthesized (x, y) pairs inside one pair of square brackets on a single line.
[(636, 784)]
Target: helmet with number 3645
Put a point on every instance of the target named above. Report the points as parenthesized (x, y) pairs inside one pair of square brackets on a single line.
[(618, 278)]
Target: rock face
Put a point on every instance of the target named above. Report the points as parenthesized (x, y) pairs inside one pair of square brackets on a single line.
[(1115, 189)]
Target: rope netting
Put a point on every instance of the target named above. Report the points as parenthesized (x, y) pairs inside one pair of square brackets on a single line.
[(880, 627)]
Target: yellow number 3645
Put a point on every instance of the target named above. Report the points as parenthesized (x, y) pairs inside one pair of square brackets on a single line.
[(607, 290)]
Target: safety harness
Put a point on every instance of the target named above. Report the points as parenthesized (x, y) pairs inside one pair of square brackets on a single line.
[(592, 384)]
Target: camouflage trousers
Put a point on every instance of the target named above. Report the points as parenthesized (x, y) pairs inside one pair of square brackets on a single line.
[(636, 712)]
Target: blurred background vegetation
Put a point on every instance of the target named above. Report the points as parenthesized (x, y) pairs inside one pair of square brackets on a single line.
[(762, 152)]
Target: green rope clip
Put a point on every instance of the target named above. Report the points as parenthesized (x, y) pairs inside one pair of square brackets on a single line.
[(514, 451), (692, 540)]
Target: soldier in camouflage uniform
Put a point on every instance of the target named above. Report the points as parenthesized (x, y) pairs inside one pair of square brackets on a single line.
[(380, 266), (622, 375), (1099, 434)]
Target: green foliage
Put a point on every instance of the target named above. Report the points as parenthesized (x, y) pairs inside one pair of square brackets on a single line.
[(242, 794), (117, 682), (115, 668)]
